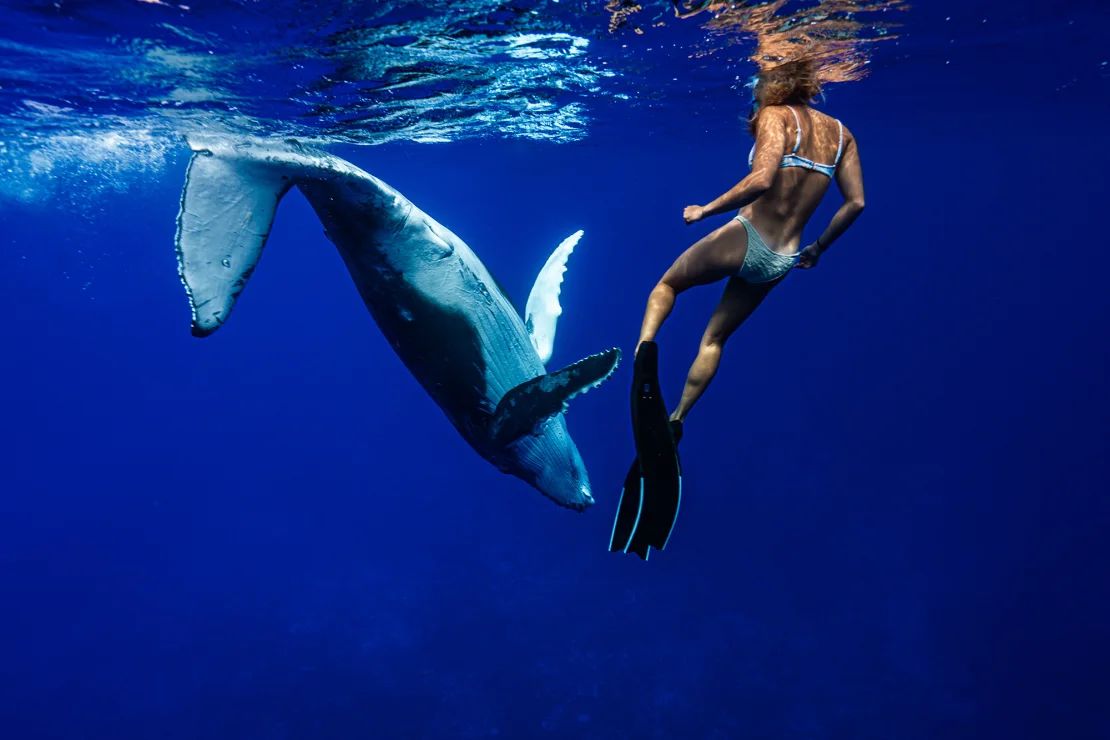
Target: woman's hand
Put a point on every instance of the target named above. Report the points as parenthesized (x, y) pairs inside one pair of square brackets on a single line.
[(693, 214), (809, 257)]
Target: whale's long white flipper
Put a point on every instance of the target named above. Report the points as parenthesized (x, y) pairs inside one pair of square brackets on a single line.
[(542, 310), (227, 208)]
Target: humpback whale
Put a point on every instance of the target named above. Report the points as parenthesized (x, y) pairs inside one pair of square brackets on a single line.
[(434, 300)]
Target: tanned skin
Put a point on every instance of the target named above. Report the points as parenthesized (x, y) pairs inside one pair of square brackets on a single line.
[(778, 203)]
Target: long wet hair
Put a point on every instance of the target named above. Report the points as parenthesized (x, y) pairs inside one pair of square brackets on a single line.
[(790, 83)]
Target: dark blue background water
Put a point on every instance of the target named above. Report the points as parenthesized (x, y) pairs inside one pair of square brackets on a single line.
[(896, 514)]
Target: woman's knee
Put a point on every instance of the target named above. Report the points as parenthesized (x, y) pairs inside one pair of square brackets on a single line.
[(713, 341), (663, 291), (711, 350)]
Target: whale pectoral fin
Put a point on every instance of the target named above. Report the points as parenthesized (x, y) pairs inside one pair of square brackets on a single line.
[(227, 209), (525, 406), (542, 310)]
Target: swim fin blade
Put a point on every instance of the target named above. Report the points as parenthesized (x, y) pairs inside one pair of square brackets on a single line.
[(628, 511), (653, 488)]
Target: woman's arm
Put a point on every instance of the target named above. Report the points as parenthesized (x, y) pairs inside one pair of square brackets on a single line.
[(770, 143), (849, 178)]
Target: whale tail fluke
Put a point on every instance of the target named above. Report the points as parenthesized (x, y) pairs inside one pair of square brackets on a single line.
[(227, 208), (524, 407), (232, 189)]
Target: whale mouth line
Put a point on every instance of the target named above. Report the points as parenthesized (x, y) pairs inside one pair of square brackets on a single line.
[(577, 506)]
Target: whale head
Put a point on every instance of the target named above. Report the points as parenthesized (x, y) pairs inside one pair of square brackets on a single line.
[(528, 429), (549, 460)]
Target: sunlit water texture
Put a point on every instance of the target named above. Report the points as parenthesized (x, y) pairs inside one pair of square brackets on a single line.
[(93, 94)]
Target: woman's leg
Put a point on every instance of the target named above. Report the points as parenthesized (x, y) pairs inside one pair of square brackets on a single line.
[(719, 255), (737, 304)]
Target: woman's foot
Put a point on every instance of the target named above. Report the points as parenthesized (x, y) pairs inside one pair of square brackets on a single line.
[(676, 430)]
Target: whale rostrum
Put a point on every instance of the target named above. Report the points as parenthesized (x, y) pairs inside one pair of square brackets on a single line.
[(433, 299)]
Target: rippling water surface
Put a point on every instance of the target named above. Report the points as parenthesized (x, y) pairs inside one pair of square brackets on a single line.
[(94, 78)]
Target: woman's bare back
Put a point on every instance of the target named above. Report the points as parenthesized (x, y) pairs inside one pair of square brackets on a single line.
[(782, 212)]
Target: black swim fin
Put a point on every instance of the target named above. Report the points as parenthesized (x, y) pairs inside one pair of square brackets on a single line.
[(628, 511), (653, 488)]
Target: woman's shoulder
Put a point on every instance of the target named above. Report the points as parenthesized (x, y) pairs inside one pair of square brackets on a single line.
[(775, 114), (833, 122), (775, 110)]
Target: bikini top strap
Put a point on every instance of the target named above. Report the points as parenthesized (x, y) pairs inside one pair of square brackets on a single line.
[(798, 125), (840, 146)]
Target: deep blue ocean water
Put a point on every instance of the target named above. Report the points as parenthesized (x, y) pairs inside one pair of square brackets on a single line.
[(895, 516)]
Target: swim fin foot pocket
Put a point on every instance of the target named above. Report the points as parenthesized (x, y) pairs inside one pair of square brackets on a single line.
[(653, 487)]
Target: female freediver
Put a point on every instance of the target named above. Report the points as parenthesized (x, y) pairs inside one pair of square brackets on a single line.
[(798, 152)]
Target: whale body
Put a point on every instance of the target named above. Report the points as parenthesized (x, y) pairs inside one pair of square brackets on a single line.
[(433, 299)]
